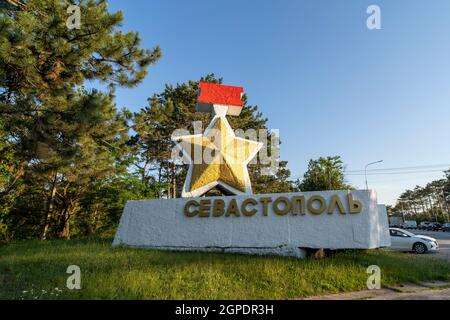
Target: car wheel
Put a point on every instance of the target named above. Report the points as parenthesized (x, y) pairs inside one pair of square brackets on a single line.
[(419, 248)]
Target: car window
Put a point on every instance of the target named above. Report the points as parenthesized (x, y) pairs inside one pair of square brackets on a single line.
[(407, 233), (396, 233)]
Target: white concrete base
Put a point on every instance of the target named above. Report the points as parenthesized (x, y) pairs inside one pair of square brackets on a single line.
[(162, 224), (278, 251)]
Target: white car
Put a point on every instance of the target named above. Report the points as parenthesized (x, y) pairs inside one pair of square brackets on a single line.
[(406, 241)]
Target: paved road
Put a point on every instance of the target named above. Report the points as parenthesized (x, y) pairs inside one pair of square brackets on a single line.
[(443, 239), (426, 291)]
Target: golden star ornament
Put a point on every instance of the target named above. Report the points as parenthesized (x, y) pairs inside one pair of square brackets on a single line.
[(217, 158)]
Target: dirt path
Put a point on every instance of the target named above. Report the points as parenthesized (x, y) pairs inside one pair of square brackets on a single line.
[(425, 291)]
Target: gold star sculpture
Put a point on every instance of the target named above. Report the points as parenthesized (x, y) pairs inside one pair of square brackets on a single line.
[(217, 159)]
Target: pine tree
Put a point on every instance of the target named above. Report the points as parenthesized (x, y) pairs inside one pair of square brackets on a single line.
[(65, 138)]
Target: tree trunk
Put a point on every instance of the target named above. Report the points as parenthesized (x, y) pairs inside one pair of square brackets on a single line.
[(415, 208), (64, 230), (144, 169), (49, 208), (159, 174), (174, 178), (438, 198), (168, 182)]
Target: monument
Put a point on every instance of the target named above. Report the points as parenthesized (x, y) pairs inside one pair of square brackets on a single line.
[(238, 221), (227, 167)]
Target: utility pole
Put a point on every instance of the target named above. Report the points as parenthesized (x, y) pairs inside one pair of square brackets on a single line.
[(365, 171)]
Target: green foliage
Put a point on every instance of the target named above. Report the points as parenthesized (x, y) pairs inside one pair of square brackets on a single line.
[(172, 109), (324, 174), (67, 164), (38, 51), (60, 141), (102, 208), (33, 269), (428, 203), (275, 183)]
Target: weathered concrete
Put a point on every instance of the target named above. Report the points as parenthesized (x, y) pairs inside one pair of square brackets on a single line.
[(162, 224)]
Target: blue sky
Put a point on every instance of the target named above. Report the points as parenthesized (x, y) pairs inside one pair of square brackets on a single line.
[(330, 85)]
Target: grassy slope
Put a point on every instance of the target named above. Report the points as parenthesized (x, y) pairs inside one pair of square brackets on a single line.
[(122, 273)]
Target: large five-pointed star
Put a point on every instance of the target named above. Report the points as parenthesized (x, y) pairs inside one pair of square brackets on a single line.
[(218, 158)]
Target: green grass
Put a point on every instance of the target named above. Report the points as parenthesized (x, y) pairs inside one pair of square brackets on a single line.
[(33, 269)]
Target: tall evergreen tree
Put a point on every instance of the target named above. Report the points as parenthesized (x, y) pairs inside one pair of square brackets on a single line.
[(431, 202), (64, 137)]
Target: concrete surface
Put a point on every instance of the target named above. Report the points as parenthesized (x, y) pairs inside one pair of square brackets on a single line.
[(162, 224), (425, 291)]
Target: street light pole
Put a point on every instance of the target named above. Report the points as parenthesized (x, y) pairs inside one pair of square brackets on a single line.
[(365, 171)]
